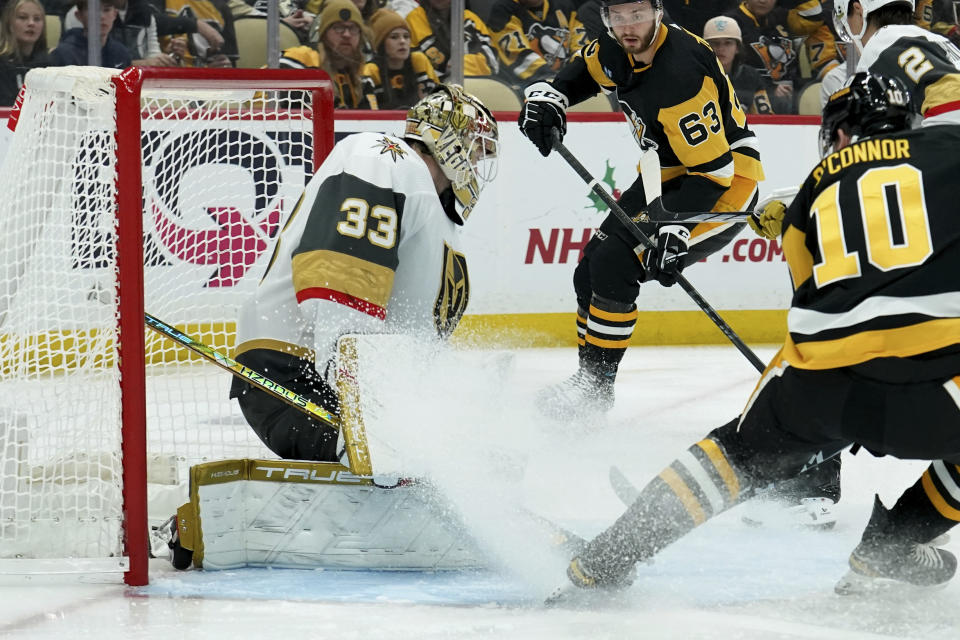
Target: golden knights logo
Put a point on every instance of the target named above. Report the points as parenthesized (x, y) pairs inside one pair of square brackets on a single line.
[(777, 54), (454, 292), (392, 147)]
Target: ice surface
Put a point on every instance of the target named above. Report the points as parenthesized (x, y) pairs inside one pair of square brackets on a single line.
[(486, 447)]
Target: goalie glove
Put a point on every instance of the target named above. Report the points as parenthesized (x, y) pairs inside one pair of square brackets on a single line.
[(665, 263), (768, 222), (544, 109)]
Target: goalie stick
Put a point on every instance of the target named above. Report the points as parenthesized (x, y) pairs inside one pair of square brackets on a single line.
[(649, 244), (245, 373)]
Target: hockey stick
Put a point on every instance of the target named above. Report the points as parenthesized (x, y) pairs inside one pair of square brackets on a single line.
[(649, 244), (656, 212), (244, 373)]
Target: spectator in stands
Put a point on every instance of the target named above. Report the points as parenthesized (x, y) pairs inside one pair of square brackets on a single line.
[(755, 91), (337, 32), (396, 78), (939, 16), (291, 13), (769, 46), (534, 37), (809, 19), (72, 49), (23, 45), (430, 29), (135, 27), (693, 16), (174, 29), (213, 43)]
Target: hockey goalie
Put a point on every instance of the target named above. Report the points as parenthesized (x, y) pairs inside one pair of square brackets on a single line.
[(372, 247)]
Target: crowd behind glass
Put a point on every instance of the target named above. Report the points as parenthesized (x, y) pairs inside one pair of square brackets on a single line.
[(386, 54)]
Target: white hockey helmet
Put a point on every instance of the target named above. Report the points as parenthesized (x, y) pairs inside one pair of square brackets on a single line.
[(461, 135), (841, 22), (654, 13)]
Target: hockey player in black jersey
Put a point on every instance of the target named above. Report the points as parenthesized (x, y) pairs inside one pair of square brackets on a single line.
[(872, 355), (680, 103)]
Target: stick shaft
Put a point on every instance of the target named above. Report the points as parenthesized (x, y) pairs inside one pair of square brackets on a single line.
[(243, 372), (649, 244)]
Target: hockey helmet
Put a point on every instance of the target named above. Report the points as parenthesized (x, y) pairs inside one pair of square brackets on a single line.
[(643, 14), (461, 135), (841, 10), (871, 104)]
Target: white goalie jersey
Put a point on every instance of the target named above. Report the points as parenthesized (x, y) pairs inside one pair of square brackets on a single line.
[(368, 249)]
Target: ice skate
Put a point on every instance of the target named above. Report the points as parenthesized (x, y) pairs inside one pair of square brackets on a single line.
[(580, 396), (806, 501), (884, 560)]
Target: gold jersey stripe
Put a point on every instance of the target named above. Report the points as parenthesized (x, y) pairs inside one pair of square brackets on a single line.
[(799, 258), (347, 274), (275, 345), (944, 90), (936, 499), (613, 316), (900, 342), (609, 344), (684, 495), (720, 463)]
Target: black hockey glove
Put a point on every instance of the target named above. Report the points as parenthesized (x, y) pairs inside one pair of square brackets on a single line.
[(544, 110), (665, 263)]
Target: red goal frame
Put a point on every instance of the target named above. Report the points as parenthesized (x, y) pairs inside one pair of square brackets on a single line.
[(131, 353)]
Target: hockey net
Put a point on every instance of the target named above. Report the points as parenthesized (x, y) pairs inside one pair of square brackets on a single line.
[(91, 408)]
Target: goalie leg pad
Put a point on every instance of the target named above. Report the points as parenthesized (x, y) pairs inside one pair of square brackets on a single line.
[(278, 513)]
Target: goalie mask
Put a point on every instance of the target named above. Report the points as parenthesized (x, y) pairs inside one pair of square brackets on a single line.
[(870, 105), (632, 12), (841, 17), (461, 135)]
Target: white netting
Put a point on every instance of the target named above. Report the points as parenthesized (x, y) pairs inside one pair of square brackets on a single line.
[(222, 169)]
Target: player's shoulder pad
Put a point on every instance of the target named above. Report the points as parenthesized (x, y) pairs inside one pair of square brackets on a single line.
[(886, 37)]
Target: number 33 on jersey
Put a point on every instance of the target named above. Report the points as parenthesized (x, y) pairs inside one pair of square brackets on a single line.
[(369, 247)]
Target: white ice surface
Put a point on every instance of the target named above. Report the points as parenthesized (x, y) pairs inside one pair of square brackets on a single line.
[(725, 580)]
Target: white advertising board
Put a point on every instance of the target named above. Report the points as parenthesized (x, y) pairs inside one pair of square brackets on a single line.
[(525, 237)]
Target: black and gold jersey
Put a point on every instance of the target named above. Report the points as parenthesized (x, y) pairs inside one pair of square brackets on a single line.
[(681, 104), (939, 16), (480, 58), (348, 93), (386, 88), (768, 43), (535, 41), (873, 247), (927, 63)]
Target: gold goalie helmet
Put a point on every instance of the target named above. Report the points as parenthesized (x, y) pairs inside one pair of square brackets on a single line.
[(461, 135)]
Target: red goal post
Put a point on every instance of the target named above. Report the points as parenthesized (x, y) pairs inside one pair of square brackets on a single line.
[(152, 187)]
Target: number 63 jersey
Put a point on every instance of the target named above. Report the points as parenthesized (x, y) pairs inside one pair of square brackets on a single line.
[(872, 241), (368, 249)]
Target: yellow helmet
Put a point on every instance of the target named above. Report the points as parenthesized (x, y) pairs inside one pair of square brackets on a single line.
[(461, 135)]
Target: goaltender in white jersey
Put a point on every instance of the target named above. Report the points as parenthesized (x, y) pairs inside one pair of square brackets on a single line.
[(372, 247)]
